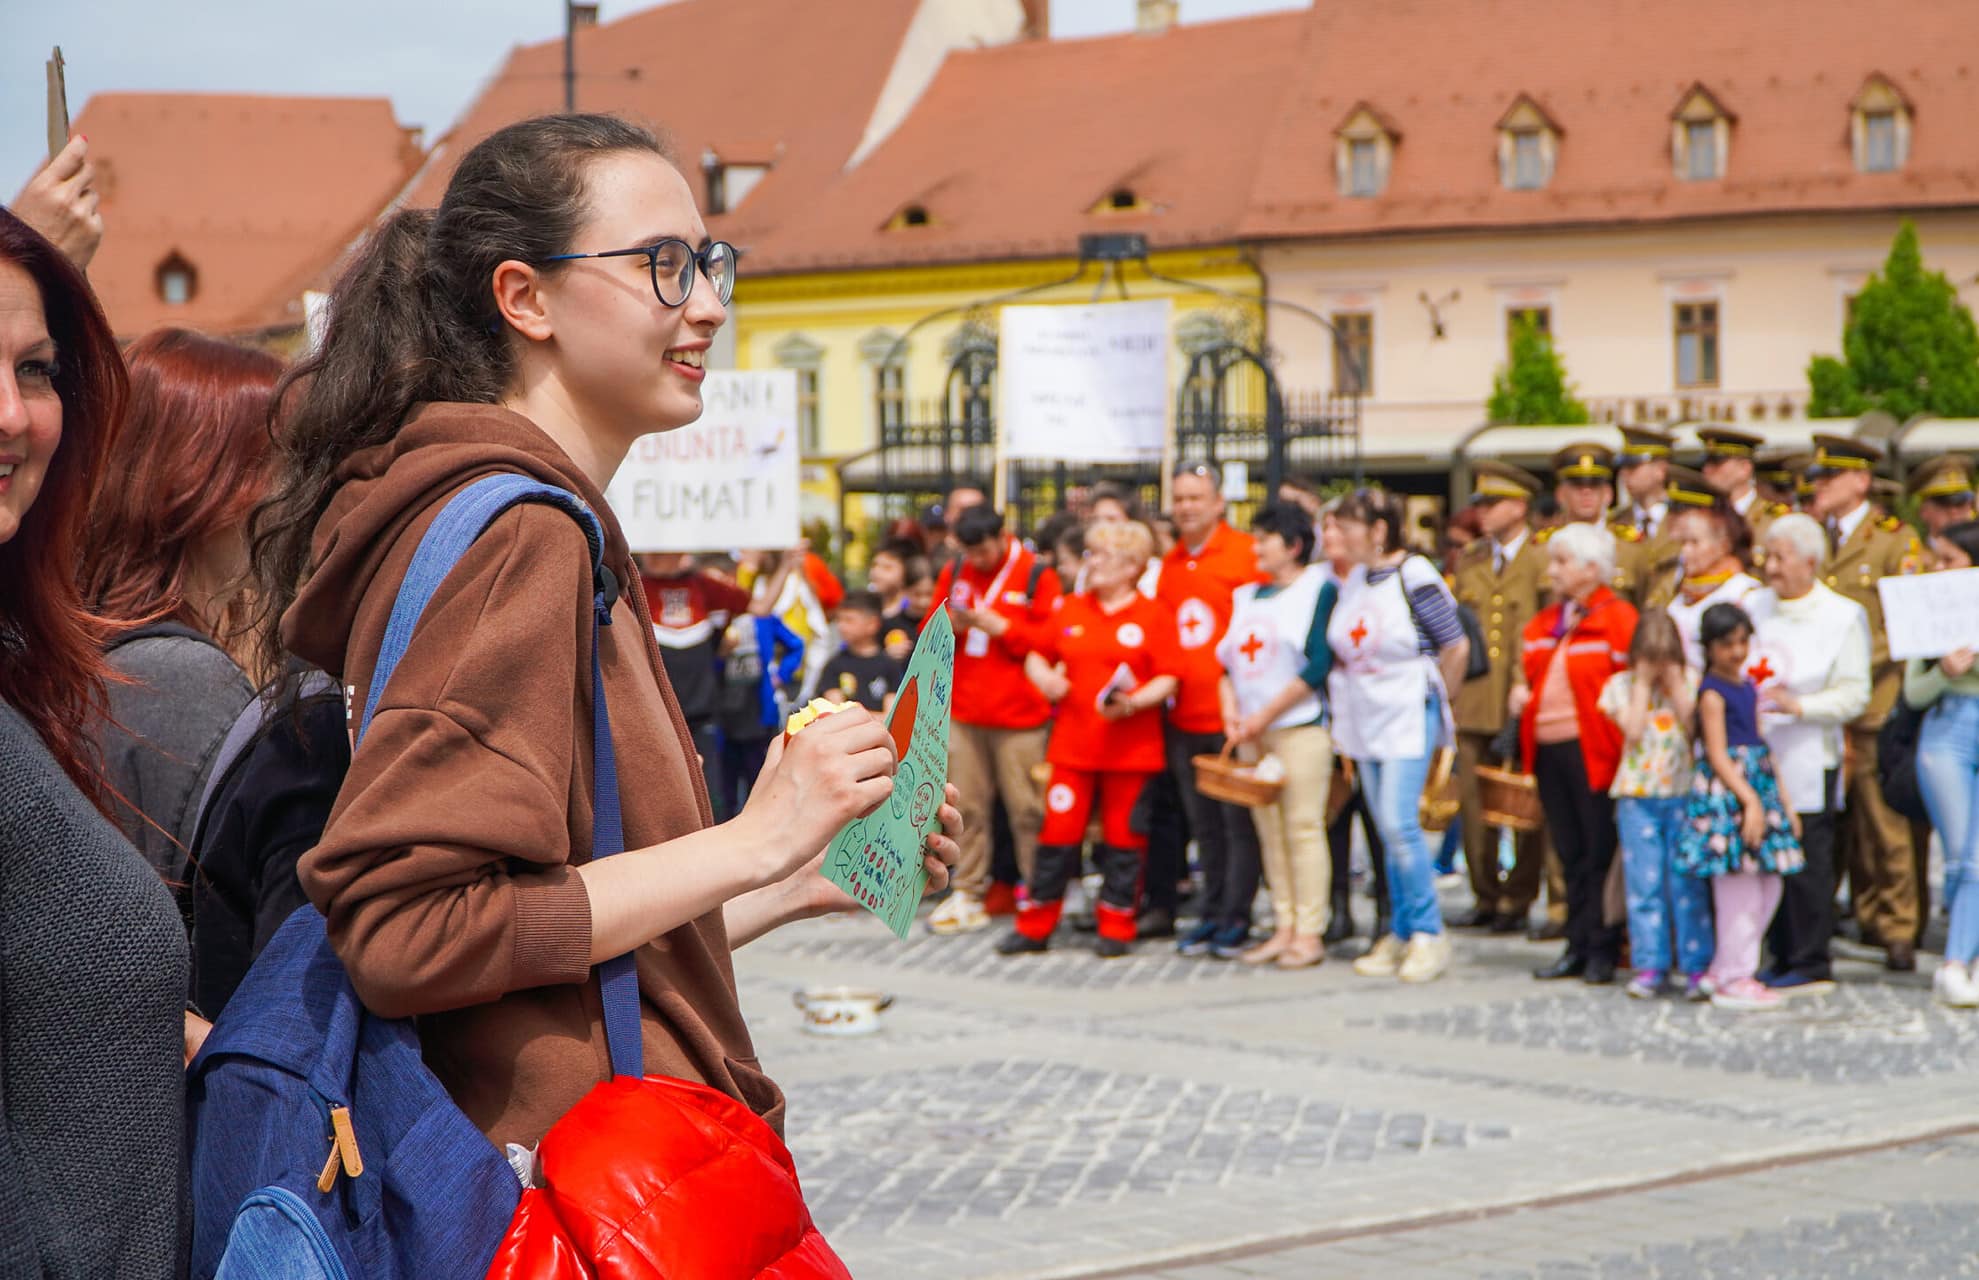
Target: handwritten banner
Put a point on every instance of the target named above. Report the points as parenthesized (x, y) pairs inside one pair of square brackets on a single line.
[(1928, 615), (1085, 383), (877, 858), (726, 483)]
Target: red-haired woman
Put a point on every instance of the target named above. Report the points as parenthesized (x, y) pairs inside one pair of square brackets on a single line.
[(164, 554), (91, 1084)]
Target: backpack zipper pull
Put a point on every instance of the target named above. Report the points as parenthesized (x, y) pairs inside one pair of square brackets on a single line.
[(328, 1178), (344, 1138)]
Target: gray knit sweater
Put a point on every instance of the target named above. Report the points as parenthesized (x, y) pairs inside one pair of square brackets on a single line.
[(92, 997)]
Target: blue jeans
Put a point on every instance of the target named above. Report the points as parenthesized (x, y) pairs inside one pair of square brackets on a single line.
[(1660, 900), (1394, 797), (1446, 857), (1948, 775)]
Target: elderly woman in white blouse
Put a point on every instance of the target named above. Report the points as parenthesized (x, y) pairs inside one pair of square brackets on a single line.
[(1810, 659)]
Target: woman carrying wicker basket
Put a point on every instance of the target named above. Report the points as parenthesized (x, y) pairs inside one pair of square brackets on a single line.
[(1275, 659)]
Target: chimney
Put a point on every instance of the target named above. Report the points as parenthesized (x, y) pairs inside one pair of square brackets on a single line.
[(583, 15), (1037, 19), (1152, 17)]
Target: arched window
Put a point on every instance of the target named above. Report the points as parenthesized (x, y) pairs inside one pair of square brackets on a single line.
[(176, 280)]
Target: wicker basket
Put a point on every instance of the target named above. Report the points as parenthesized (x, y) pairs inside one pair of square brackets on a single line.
[(1441, 800), (1508, 798), (1222, 778)]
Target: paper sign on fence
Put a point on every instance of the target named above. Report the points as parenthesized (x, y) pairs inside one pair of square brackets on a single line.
[(726, 483), (877, 858), (1085, 383), (1928, 615)]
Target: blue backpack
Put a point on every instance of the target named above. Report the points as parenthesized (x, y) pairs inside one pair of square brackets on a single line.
[(322, 1146)]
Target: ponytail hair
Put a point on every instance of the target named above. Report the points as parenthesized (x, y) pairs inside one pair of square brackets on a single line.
[(413, 320)]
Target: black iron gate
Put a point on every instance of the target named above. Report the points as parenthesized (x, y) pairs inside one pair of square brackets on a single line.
[(1230, 412)]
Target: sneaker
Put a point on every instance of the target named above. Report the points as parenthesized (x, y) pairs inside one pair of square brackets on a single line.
[(1197, 941), (1647, 984), (962, 913), (1954, 986), (1698, 989), (1001, 900), (1792, 984), (1383, 959), (1020, 944), (1231, 942), (1112, 948), (1425, 958), (1745, 995)]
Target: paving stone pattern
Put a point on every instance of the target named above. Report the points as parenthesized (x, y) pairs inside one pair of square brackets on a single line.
[(1070, 964), (921, 1148), (1927, 1241), (1862, 1033)]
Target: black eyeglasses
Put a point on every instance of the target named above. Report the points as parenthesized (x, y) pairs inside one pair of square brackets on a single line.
[(673, 264)]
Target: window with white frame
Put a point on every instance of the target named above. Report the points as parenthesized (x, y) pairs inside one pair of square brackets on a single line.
[(1879, 127), (1700, 136), (1364, 147), (1528, 147)]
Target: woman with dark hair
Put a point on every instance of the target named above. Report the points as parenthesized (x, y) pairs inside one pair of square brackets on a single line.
[(1947, 691), (1714, 545), (164, 554), (1398, 649), (92, 1032), (1275, 660), (559, 304)]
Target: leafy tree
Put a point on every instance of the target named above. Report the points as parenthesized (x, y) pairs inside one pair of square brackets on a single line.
[(1910, 346), (1531, 389)]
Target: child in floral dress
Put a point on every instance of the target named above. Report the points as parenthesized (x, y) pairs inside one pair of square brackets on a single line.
[(1740, 829)]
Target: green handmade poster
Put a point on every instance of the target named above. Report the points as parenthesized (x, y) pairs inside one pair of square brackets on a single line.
[(877, 858)]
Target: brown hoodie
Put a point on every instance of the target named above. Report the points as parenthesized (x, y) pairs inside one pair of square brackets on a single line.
[(446, 869)]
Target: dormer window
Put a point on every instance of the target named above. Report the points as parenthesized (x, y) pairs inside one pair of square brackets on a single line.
[(1364, 146), (1120, 199), (176, 280), (913, 215), (729, 184), (1528, 147), (1700, 137), (1879, 126)]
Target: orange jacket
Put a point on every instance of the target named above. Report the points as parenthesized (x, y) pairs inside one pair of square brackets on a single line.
[(1597, 648)]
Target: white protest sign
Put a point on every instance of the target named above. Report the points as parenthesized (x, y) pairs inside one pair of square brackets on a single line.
[(1928, 615), (1085, 383), (727, 482)]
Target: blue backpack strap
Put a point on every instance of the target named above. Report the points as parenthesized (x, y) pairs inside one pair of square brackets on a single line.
[(465, 517)]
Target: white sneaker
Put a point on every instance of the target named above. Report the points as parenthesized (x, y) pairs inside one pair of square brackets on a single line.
[(961, 913), (1954, 986), (1428, 955), (1383, 960)]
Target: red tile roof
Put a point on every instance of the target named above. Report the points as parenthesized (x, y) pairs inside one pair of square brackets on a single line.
[(1610, 74), (260, 195), (790, 83), (1010, 149)]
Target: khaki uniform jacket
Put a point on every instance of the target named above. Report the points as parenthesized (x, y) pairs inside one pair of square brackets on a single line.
[(1656, 570), (1504, 603), (1879, 546)]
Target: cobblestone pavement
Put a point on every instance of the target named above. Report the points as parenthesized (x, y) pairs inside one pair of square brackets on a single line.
[(1060, 1116)]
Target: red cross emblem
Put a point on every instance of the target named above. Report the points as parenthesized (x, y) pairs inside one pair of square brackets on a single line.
[(1251, 647), (1761, 671), (1359, 633)]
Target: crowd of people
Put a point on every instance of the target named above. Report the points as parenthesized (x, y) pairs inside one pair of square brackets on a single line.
[(205, 555), (1692, 689)]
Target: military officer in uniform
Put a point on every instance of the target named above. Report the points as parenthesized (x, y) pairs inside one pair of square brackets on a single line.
[(1777, 477), (1881, 850), (1642, 469), (1499, 578), (1729, 467), (1584, 487), (1943, 489)]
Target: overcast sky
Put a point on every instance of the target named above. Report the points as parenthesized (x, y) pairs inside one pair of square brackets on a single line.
[(428, 56)]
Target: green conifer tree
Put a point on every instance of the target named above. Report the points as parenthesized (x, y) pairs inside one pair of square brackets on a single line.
[(1531, 388), (1910, 346)]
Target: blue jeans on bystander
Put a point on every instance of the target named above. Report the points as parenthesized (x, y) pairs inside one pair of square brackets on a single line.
[(1948, 775), (1394, 797), (1661, 901)]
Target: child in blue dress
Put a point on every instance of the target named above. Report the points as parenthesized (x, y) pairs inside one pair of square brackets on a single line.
[(1740, 829)]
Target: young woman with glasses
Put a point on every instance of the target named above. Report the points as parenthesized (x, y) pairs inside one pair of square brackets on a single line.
[(559, 304)]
